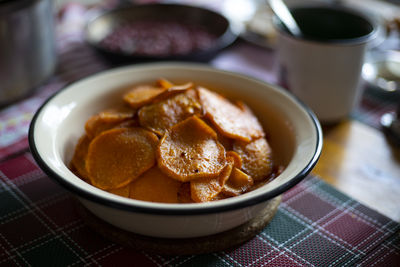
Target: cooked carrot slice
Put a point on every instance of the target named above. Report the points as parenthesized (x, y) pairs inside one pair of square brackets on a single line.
[(164, 83), (95, 126), (161, 116), (237, 160), (229, 119), (181, 87), (106, 120), (176, 89), (122, 191), (118, 156), (117, 115), (155, 186), (237, 184), (79, 158), (225, 141), (142, 95), (145, 94), (131, 123), (184, 195), (256, 157), (190, 150), (205, 189)]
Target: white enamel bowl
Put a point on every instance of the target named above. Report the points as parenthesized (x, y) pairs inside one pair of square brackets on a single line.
[(293, 131)]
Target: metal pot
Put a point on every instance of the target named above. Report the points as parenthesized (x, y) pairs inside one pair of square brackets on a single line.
[(27, 46)]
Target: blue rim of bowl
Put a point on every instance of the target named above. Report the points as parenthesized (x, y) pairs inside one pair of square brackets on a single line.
[(182, 210)]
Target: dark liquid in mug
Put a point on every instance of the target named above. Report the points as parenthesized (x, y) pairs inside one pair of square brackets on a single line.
[(332, 24)]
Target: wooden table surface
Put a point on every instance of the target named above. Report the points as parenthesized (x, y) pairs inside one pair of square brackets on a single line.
[(359, 161)]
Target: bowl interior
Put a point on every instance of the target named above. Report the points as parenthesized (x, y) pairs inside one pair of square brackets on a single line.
[(101, 26), (292, 131)]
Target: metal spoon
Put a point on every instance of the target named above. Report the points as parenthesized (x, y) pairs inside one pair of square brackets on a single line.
[(282, 12)]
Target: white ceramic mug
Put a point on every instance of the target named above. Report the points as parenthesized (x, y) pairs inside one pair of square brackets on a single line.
[(323, 66)]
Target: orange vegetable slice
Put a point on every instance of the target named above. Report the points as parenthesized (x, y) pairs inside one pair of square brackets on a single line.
[(173, 87), (206, 189), (95, 126), (237, 160), (256, 157), (237, 184), (117, 115), (225, 141), (176, 89), (155, 186), (190, 150), (142, 95), (122, 191), (78, 161), (118, 156), (106, 120), (132, 123), (164, 83), (161, 116), (229, 119)]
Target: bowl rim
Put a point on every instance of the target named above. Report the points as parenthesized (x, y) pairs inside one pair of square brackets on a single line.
[(224, 40), (163, 209)]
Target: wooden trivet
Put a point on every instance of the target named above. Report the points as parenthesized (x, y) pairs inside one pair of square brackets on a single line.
[(199, 245)]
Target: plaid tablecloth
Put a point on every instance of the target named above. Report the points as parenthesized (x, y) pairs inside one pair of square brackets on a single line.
[(315, 225)]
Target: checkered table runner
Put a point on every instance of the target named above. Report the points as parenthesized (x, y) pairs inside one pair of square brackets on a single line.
[(315, 226)]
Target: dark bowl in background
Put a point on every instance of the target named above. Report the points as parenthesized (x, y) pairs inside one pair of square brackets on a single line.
[(105, 23)]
